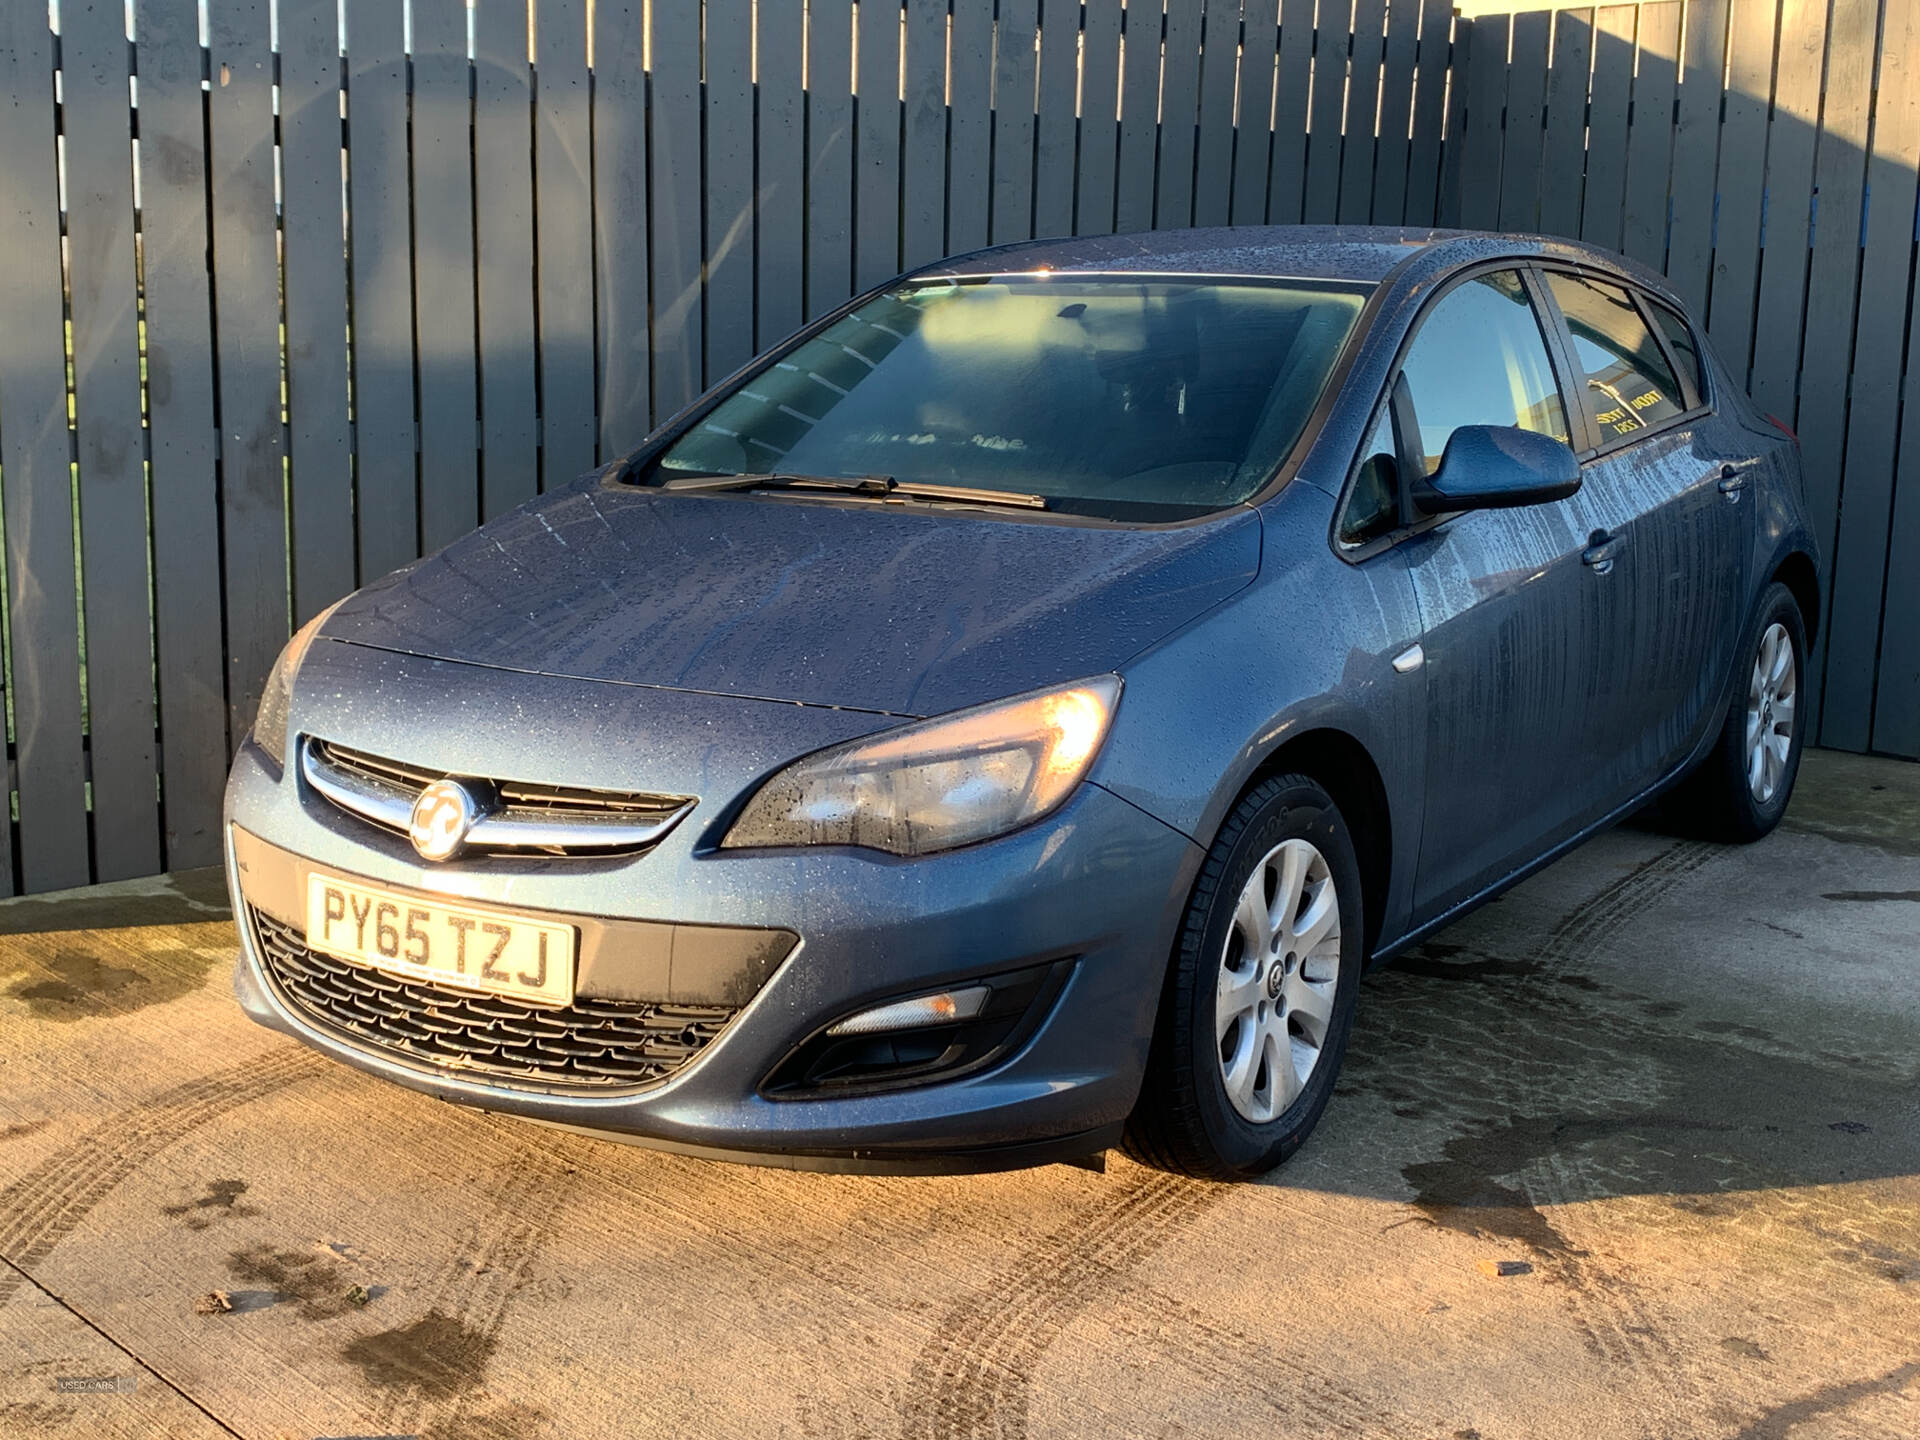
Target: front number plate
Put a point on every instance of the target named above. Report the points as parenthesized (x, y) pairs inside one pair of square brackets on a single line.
[(484, 950)]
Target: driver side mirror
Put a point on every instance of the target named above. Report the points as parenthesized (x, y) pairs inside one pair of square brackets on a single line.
[(1487, 467)]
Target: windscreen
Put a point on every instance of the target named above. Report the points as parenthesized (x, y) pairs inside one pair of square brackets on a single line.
[(1107, 396)]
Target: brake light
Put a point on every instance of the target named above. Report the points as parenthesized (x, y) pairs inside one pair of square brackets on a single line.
[(1784, 428)]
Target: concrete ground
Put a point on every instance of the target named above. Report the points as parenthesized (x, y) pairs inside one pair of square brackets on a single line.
[(1670, 1087)]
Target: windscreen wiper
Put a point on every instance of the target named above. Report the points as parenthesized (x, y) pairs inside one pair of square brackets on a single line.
[(878, 486), (927, 490), (781, 480)]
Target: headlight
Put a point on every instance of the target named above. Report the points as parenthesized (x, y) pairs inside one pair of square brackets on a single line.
[(270, 725), (937, 783)]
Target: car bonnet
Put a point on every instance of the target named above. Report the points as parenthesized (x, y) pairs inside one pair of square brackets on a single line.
[(901, 609)]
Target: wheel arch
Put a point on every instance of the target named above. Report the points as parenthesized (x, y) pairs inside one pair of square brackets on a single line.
[(1340, 763), (1797, 572)]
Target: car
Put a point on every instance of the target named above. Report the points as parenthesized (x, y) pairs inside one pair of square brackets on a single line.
[(1003, 722)]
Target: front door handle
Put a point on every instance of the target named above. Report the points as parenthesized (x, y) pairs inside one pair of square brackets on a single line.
[(1733, 479), (1601, 550)]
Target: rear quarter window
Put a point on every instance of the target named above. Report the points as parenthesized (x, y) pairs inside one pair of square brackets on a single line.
[(1680, 337)]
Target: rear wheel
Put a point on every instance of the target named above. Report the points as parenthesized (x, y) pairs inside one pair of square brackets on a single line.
[(1259, 996), (1741, 789)]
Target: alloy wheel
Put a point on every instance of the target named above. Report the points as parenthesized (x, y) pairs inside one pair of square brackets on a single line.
[(1279, 973), (1771, 696)]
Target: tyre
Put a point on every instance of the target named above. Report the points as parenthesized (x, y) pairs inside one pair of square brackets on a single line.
[(1260, 990), (1741, 789)]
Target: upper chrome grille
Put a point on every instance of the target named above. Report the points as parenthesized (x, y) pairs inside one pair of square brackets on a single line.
[(520, 815)]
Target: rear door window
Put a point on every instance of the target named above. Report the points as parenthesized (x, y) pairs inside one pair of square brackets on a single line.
[(1480, 358), (1629, 385)]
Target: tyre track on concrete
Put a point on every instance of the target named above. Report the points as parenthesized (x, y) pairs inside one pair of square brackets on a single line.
[(49, 1202), (974, 1377), (438, 1362), (1647, 883), (1614, 1321), (1232, 1362)]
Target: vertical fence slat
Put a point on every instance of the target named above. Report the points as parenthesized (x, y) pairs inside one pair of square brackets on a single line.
[(924, 161), (384, 444), (969, 126), (1252, 153), (563, 240), (1293, 85), (1388, 203), (246, 299), (1896, 720), (1099, 121), (113, 500), (1832, 287), (1053, 163), (1696, 149), (673, 135), (1896, 728), (1650, 135), (186, 527), (781, 199), (443, 281), (315, 284), (876, 252), (1212, 169), (1563, 159), (728, 168), (1179, 116), (1786, 207), (1480, 141), (1139, 116), (620, 211), (1013, 101), (1525, 143), (44, 620), (1363, 103), (1332, 34), (1742, 181), (1453, 149), (1424, 150), (1860, 554), (503, 198), (1604, 200)]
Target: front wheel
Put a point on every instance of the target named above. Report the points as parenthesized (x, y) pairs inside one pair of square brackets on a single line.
[(1260, 992), (1741, 789)]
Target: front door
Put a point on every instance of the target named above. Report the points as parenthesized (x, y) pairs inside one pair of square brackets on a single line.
[(1520, 606)]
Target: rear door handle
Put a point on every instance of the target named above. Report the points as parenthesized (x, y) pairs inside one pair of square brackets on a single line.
[(1601, 550), (1733, 479)]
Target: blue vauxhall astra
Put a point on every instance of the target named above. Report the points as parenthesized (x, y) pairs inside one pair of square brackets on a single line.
[(1005, 720)]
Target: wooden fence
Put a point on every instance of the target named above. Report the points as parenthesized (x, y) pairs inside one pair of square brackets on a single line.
[(1736, 145), (295, 290)]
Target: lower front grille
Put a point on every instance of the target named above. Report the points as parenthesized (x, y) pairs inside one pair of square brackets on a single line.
[(588, 1045)]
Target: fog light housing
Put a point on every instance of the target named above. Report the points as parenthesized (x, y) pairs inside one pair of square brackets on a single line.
[(920, 1039)]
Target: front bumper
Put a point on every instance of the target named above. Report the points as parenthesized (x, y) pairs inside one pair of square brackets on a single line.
[(1100, 882)]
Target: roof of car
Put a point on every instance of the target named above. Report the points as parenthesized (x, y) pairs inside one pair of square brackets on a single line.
[(1318, 252)]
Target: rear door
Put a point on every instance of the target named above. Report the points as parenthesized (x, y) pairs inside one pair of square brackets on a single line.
[(1520, 608), (1661, 456)]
